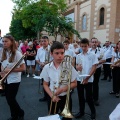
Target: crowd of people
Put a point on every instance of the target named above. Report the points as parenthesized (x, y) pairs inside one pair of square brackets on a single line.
[(89, 58)]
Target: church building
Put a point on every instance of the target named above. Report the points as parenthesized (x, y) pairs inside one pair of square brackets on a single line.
[(96, 18)]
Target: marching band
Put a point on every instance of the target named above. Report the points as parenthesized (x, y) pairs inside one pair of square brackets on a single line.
[(61, 70)]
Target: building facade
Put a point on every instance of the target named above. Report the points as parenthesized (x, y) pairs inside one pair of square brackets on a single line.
[(96, 18)]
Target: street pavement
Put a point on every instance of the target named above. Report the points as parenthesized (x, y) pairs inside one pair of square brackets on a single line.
[(28, 98)]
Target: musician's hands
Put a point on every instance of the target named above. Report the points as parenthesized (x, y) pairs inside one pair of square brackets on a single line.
[(55, 98), (59, 91), (7, 70), (79, 67), (85, 81), (42, 64), (2, 74)]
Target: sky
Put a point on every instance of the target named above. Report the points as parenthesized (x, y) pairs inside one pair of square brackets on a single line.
[(6, 7)]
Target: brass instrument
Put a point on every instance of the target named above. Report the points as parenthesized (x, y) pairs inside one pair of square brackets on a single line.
[(101, 56), (65, 79), (4, 78), (117, 62), (47, 55)]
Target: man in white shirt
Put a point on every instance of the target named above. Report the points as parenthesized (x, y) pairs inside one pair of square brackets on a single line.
[(88, 64), (43, 57), (101, 58), (108, 50)]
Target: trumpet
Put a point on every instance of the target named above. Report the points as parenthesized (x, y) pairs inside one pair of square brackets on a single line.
[(4, 78), (65, 79)]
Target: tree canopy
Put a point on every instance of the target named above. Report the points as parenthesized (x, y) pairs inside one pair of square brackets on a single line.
[(44, 15)]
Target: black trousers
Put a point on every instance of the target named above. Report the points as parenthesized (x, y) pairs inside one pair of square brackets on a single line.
[(45, 94), (11, 92), (107, 69), (1, 91), (116, 79), (96, 84), (89, 96), (60, 105)]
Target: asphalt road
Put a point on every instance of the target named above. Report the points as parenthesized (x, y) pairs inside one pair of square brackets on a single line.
[(28, 98)]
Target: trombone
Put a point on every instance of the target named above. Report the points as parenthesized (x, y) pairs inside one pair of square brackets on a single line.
[(65, 79), (4, 78)]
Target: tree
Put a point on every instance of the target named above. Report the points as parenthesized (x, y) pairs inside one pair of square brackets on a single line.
[(19, 32), (44, 15)]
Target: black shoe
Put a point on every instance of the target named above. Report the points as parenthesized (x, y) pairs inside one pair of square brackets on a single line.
[(42, 99), (93, 116), (2, 94), (20, 118), (79, 115), (109, 80), (11, 118), (104, 79), (96, 103), (117, 95), (112, 92)]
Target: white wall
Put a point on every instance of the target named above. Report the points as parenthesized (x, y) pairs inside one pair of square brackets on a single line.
[(101, 35), (85, 35)]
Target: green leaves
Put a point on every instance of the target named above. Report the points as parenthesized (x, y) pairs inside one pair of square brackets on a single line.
[(44, 15)]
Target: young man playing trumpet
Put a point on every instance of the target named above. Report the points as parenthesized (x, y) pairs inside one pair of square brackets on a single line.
[(88, 65), (51, 74)]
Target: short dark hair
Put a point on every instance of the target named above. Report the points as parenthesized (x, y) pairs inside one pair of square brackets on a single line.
[(85, 41), (56, 45), (45, 37), (34, 39), (66, 41), (94, 38), (68, 38)]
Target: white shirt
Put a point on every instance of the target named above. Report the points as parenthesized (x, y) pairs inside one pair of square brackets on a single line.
[(41, 54), (71, 46), (87, 60), (52, 75), (116, 56), (76, 50), (1, 49), (99, 52), (13, 77), (70, 52), (108, 51), (1, 42), (19, 48)]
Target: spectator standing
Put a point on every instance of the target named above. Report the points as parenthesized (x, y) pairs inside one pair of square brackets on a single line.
[(31, 53)]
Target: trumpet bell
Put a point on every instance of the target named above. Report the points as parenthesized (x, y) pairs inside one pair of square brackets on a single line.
[(66, 113)]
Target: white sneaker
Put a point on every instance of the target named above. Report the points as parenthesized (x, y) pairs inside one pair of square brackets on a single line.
[(33, 75), (28, 75)]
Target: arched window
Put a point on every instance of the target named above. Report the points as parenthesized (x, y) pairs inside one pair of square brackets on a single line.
[(84, 22), (102, 15)]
